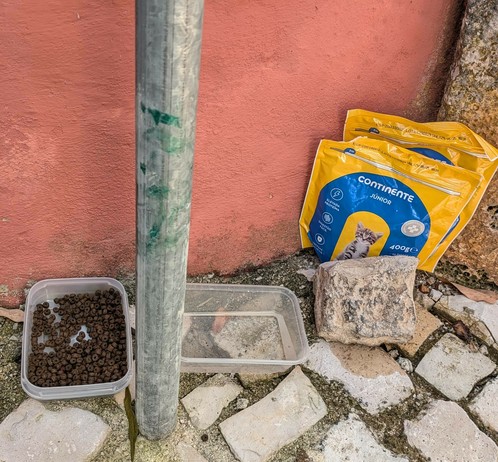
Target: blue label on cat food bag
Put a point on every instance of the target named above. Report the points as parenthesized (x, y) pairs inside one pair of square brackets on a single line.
[(395, 203)]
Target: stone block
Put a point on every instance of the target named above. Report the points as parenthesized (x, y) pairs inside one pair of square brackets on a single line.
[(445, 433), (369, 374), (485, 407), (32, 432), (351, 440), (205, 403), (281, 417), (480, 317), (452, 368), (188, 453), (367, 301)]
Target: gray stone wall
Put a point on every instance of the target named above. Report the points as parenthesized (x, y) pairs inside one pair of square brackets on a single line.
[(471, 97)]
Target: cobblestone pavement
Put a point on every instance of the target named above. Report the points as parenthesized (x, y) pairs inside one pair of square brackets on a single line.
[(433, 398)]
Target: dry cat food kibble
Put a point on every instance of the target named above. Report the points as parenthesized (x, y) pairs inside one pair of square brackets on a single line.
[(82, 340)]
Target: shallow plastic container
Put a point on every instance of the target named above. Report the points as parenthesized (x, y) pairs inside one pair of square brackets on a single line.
[(46, 291), (241, 328)]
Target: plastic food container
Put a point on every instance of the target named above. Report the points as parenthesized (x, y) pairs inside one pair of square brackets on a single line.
[(46, 291), (241, 328)]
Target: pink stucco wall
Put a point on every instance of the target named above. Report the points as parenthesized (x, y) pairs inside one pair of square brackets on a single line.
[(276, 77)]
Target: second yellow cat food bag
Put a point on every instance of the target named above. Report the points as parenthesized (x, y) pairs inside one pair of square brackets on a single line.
[(369, 197), (449, 142)]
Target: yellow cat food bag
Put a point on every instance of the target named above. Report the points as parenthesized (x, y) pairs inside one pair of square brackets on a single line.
[(450, 142), (368, 197)]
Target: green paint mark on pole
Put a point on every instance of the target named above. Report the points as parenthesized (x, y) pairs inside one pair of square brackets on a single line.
[(143, 167), (153, 236), (169, 144), (161, 117), (174, 145), (158, 192)]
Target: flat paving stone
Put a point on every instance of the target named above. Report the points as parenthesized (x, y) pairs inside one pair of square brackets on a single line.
[(485, 406), (480, 317), (369, 374), (445, 433), (188, 453), (452, 368), (350, 440), (282, 416), (33, 433), (485, 312), (205, 403), (425, 326)]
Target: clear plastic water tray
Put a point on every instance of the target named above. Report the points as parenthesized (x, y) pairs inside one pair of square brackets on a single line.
[(241, 328)]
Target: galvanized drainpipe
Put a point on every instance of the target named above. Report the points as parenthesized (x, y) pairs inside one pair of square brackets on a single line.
[(168, 44)]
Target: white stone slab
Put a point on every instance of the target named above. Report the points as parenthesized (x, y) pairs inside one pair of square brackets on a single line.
[(485, 405), (205, 403), (479, 317), (445, 433), (33, 433), (485, 312), (369, 374), (350, 440), (452, 368), (188, 453), (259, 431)]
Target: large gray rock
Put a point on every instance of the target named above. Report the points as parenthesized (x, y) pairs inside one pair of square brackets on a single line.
[(367, 301), (471, 97), (33, 433), (257, 432), (445, 433), (453, 368)]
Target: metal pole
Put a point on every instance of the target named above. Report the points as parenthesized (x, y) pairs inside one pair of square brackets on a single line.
[(168, 43)]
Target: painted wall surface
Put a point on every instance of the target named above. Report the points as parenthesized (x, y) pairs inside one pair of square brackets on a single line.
[(276, 77)]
